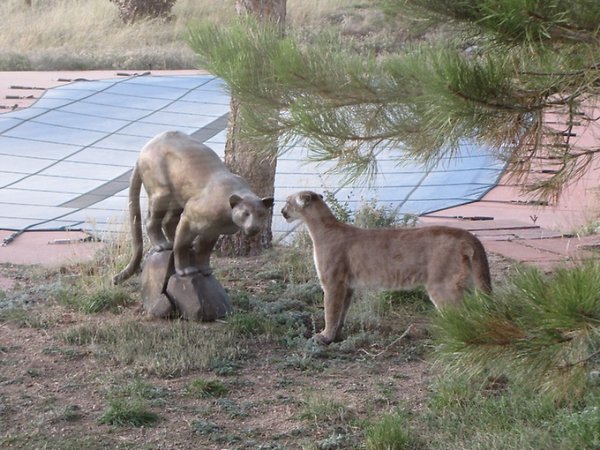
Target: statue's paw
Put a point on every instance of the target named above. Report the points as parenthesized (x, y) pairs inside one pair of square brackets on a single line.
[(206, 271), (187, 271), (163, 247)]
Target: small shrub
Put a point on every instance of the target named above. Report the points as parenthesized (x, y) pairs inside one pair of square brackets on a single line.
[(540, 331), (369, 215), (340, 210), (133, 10), (202, 388)]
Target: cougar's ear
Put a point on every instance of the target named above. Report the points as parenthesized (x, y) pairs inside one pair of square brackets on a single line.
[(303, 199), (268, 201), (234, 200)]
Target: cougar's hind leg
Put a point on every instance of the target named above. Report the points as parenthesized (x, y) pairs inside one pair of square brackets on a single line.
[(447, 292), (347, 301), (157, 210), (336, 301)]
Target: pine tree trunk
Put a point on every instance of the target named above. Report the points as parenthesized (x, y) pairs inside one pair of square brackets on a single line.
[(241, 156)]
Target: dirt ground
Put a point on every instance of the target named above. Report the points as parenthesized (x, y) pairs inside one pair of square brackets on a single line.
[(53, 394)]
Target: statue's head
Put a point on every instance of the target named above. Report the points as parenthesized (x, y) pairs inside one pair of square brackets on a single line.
[(250, 213)]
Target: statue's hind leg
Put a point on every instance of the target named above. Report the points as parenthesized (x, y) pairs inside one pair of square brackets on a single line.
[(170, 223), (157, 210)]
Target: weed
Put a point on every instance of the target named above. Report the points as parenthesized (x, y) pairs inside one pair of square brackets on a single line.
[(71, 413), (321, 410), (201, 388), (128, 413), (250, 324), (232, 409), (205, 428)]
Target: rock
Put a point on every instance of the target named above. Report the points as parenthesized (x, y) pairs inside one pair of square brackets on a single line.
[(198, 297), (158, 268)]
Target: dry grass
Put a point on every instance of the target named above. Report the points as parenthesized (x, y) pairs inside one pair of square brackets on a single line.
[(88, 34)]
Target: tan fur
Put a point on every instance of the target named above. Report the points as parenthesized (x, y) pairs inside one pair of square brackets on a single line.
[(192, 198), (445, 260)]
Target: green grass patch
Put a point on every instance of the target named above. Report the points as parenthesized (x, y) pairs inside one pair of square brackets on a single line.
[(128, 413), (392, 432), (201, 388)]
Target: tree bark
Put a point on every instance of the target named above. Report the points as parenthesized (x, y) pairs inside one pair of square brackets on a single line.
[(242, 157)]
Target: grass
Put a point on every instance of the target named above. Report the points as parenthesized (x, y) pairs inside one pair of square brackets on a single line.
[(167, 350), (95, 300)]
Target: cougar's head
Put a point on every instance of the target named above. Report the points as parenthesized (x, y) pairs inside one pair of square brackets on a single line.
[(249, 214), (296, 203)]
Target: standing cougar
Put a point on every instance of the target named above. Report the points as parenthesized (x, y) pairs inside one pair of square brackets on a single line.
[(191, 195), (445, 260)]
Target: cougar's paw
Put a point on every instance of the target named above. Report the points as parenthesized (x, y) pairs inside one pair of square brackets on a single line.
[(321, 339), (187, 271), (163, 247)]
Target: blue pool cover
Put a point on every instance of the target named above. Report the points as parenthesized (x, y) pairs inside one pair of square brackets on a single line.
[(65, 161)]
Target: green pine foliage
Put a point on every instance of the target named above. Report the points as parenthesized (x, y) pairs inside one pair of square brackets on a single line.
[(491, 73), (542, 332)]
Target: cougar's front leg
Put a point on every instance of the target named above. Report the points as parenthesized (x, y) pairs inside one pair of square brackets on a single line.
[(182, 248), (336, 301)]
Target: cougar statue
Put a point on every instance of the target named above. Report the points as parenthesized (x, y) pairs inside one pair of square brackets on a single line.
[(192, 198), (447, 261)]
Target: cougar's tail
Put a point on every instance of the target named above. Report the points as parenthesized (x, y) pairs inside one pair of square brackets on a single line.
[(135, 221), (481, 268)]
